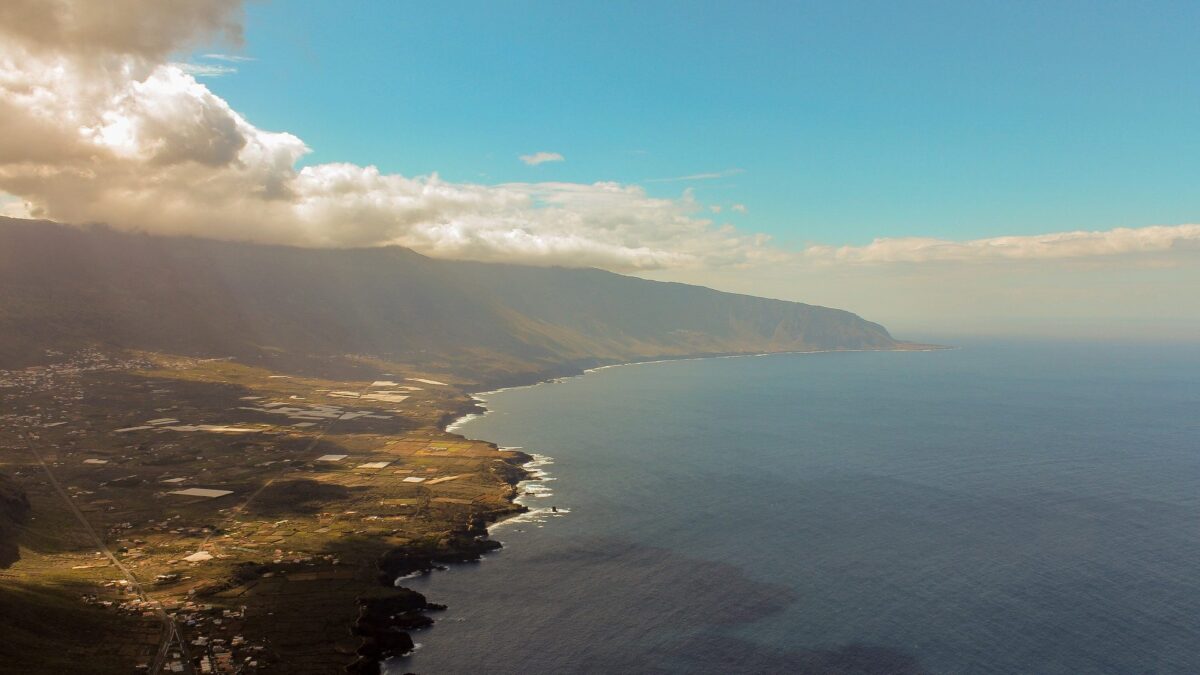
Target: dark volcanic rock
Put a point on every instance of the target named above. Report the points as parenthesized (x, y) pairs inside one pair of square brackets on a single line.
[(384, 622), (465, 545)]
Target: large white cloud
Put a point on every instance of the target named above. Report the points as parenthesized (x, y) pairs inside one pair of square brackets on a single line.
[(100, 126)]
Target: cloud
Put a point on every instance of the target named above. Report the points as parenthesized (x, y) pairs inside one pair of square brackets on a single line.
[(740, 208), (715, 208), (1053, 246), (697, 176), (11, 207), (222, 68), (146, 29), (205, 69), (541, 158), (100, 126), (231, 58)]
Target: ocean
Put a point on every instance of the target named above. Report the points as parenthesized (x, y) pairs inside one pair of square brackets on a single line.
[(1003, 507)]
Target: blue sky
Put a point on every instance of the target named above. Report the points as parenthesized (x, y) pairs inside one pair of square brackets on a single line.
[(835, 122)]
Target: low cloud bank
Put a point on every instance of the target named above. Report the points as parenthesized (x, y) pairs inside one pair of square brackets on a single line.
[(1054, 246)]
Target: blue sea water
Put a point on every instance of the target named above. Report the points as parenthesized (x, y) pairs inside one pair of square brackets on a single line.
[(998, 508)]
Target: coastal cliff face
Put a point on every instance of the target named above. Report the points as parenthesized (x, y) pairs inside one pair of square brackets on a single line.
[(64, 287)]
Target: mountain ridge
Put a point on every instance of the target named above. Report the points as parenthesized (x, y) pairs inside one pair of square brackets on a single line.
[(64, 287)]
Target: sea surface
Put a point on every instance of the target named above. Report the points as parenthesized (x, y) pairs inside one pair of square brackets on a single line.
[(999, 508)]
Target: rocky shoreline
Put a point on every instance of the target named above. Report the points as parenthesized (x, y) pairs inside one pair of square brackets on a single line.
[(384, 623)]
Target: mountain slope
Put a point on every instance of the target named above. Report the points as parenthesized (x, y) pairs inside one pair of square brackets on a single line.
[(65, 287)]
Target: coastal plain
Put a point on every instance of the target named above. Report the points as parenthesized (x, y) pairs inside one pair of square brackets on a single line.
[(201, 515)]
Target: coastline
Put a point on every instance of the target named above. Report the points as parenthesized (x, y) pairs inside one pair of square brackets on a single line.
[(637, 454), (479, 408), (553, 376), (487, 524)]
